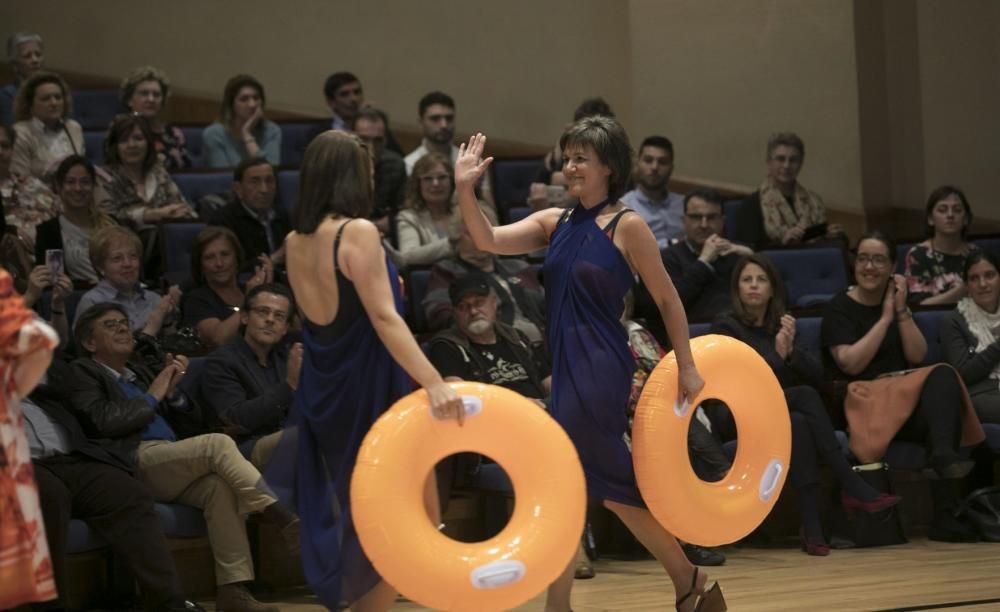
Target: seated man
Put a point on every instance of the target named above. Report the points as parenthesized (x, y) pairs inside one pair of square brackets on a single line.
[(661, 209), (250, 382), (80, 479), (514, 282), (345, 98), (122, 406), (259, 226), (699, 265), (390, 171)]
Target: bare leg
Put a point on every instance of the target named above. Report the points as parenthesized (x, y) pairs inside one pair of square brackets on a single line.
[(557, 598), (662, 544), (380, 598)]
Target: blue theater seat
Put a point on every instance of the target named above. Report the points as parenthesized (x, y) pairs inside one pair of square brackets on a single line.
[(295, 137), (193, 144), (698, 329), (730, 209), (196, 185), (416, 291), (901, 250), (989, 244), (929, 322), (93, 142), (517, 213), (176, 241), (807, 334), (812, 276), (288, 190), (512, 178), (95, 108)]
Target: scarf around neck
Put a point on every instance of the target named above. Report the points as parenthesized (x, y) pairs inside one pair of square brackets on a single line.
[(984, 326), (806, 209)]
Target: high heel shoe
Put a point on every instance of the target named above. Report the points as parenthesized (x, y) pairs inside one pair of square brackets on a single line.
[(813, 548), (711, 600), (883, 501)]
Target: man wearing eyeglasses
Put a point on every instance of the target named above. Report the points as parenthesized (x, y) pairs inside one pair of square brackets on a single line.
[(699, 264), (251, 381)]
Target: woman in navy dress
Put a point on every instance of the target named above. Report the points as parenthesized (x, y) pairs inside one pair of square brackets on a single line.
[(594, 250), (358, 355)]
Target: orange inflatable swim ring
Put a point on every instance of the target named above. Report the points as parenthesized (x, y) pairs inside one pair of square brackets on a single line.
[(434, 570), (713, 513)]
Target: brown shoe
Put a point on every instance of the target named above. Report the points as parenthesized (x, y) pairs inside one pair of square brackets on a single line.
[(236, 598)]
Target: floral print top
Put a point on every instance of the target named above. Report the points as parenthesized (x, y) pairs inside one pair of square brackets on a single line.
[(929, 272)]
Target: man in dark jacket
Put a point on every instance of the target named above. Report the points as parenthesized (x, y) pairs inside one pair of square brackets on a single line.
[(80, 479)]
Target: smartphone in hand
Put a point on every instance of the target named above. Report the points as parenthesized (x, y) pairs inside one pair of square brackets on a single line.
[(54, 262)]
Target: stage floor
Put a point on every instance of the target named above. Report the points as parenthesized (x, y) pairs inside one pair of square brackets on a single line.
[(921, 575)]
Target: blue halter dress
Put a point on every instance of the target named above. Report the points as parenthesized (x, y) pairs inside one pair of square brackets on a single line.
[(586, 279)]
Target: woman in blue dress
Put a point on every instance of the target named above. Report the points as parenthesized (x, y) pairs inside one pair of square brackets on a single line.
[(594, 251), (358, 360)]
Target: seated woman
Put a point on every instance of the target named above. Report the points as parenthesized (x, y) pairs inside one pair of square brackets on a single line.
[(934, 267), (970, 335), (114, 252), (212, 308), (45, 132), (760, 320), (145, 91), (871, 340), (241, 132), (27, 201), (782, 211), (428, 212), (135, 188), (81, 218)]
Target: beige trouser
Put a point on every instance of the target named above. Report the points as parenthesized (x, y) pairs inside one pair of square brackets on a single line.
[(208, 472), (263, 448)]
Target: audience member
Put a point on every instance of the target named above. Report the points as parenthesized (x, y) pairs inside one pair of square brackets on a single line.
[(553, 161), (759, 320), (345, 97), (114, 253), (422, 226), (125, 408), (934, 267), (26, 55), (79, 478), (436, 112), (259, 225), (782, 211), (212, 308), (145, 91), (521, 300), (242, 131), (970, 335), (699, 265), (390, 171), (661, 209), (27, 201), (251, 381), (868, 333), (72, 230), (45, 133)]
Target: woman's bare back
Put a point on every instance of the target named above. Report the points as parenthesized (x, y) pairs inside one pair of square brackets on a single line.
[(311, 271)]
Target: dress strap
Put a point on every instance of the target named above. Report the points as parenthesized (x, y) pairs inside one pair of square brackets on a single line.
[(564, 217), (336, 243), (610, 228)]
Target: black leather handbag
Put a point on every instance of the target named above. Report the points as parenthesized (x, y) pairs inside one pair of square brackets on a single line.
[(981, 508)]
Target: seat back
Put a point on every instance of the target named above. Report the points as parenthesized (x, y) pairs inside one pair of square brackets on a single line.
[(95, 108), (93, 142), (196, 185), (901, 250), (929, 322), (812, 276), (512, 178), (416, 290), (193, 144), (807, 334), (288, 190), (176, 241), (295, 137), (730, 209), (989, 244), (698, 329)]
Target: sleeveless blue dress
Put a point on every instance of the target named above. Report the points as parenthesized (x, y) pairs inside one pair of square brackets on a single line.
[(586, 279), (348, 380)]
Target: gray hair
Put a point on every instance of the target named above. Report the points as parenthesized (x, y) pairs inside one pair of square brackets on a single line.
[(19, 38)]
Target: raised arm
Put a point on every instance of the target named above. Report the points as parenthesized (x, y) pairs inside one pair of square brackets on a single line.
[(364, 264), (525, 236), (643, 255)]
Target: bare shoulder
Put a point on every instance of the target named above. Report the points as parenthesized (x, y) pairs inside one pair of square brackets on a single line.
[(633, 223)]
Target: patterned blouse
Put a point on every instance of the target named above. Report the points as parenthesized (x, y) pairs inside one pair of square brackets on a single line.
[(172, 147), (27, 203), (117, 195), (929, 272)]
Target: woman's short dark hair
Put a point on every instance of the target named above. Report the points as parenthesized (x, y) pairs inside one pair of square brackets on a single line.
[(776, 307), (83, 329), (591, 107), (413, 198), (232, 89), (276, 289), (26, 94), (976, 257), (68, 164), (120, 129), (335, 179), (206, 237), (883, 237), (610, 141), (941, 193)]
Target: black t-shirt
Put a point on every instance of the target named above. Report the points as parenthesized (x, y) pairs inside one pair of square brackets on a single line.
[(503, 368), (202, 303), (845, 322)]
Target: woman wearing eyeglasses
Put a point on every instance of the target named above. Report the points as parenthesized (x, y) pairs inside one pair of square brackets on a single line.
[(144, 91), (422, 225), (934, 267), (871, 341)]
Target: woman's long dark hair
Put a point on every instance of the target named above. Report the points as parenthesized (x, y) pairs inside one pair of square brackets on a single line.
[(336, 179), (776, 306)]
